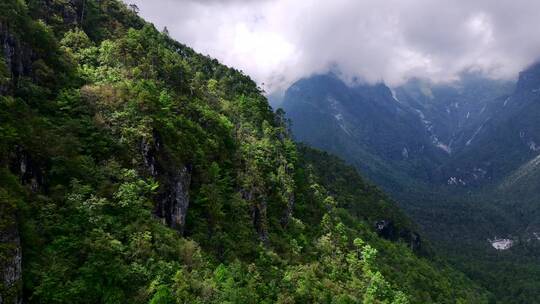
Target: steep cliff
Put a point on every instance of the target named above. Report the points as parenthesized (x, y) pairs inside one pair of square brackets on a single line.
[(10, 254)]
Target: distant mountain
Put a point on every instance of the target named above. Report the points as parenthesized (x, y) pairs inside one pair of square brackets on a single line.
[(463, 158), (453, 112), (275, 99), (431, 133), (366, 125), (420, 141), (507, 140)]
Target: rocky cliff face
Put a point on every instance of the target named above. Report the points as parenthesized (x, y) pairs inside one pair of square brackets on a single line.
[(175, 180), (10, 257), (174, 205), (258, 213), (15, 61), (17, 58), (30, 175)]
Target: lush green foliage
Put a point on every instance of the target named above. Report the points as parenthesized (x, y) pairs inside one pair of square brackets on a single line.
[(266, 222)]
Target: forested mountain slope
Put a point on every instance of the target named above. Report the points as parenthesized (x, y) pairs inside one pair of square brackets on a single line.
[(134, 170)]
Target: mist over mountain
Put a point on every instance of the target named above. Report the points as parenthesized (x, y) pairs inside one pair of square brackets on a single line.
[(278, 42)]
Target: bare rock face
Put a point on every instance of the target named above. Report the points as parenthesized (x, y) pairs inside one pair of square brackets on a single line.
[(30, 175), (10, 257), (175, 180), (258, 213), (149, 150), (17, 58), (174, 205)]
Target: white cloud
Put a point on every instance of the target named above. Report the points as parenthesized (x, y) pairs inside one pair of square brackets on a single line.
[(278, 41)]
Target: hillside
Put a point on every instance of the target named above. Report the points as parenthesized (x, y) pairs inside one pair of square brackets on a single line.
[(134, 170)]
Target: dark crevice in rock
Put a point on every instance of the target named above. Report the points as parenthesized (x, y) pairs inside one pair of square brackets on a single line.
[(174, 202), (387, 230), (29, 172), (258, 214)]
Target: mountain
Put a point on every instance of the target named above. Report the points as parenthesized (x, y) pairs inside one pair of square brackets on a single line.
[(461, 158), (508, 152), (134, 170), (415, 129), (364, 124), (495, 153), (511, 130), (453, 112)]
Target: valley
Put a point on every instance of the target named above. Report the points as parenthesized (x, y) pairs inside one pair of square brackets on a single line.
[(461, 158)]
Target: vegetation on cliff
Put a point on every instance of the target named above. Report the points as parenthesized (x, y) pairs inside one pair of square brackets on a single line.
[(134, 170)]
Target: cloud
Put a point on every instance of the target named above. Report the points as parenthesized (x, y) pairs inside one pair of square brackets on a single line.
[(279, 41)]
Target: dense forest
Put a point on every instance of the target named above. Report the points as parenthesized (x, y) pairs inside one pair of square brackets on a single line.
[(134, 170)]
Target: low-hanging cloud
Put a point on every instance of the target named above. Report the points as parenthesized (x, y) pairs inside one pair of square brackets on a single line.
[(279, 41)]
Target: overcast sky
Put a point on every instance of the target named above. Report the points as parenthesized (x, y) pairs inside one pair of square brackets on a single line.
[(279, 41)]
